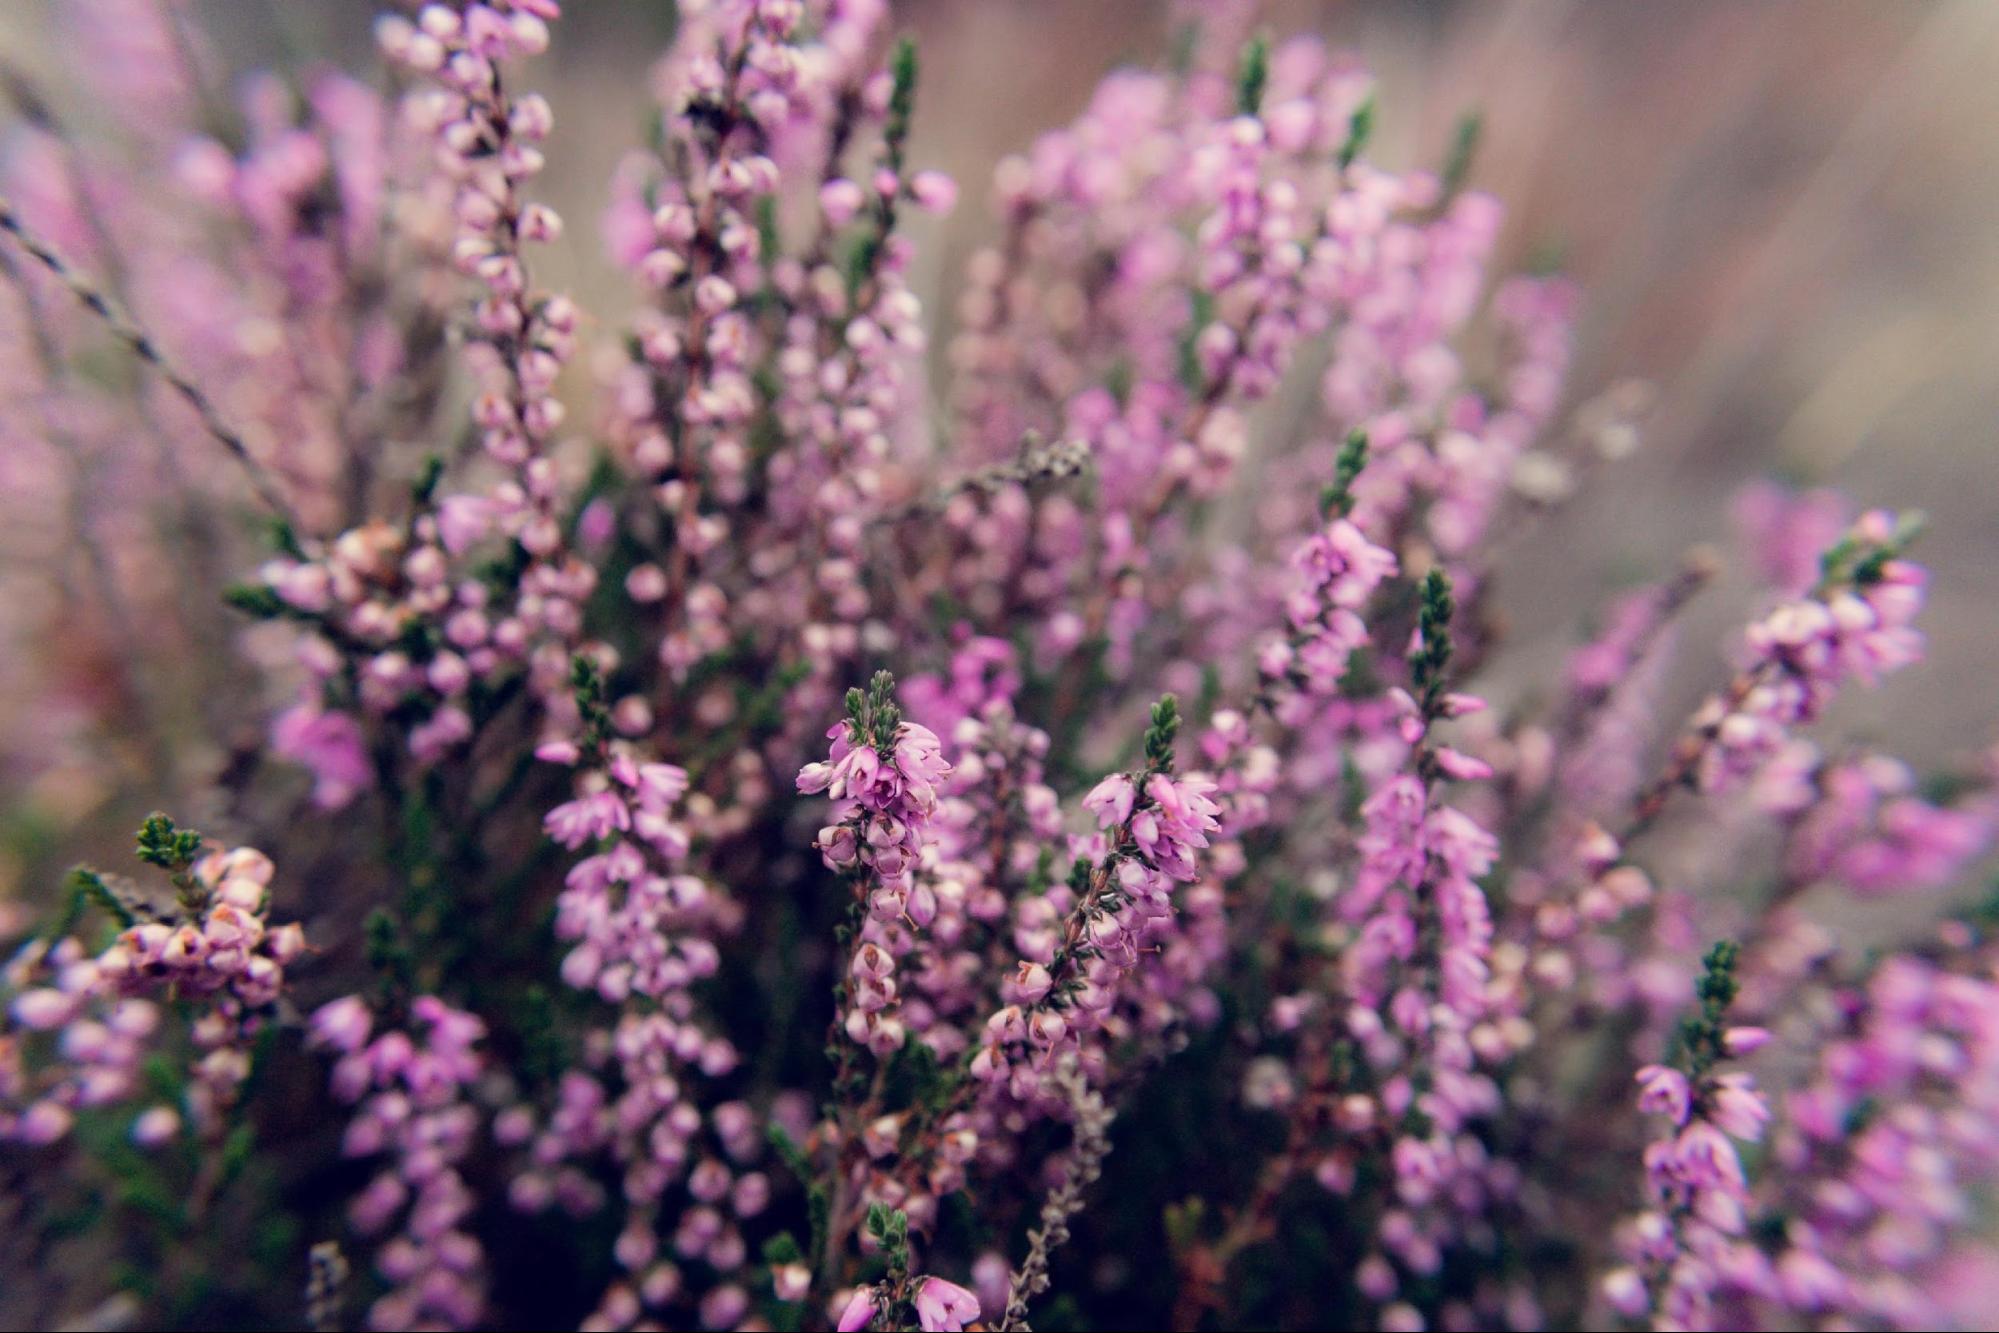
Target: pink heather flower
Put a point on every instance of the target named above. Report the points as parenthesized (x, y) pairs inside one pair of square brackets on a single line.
[(933, 191), (343, 1024), (944, 1307), (155, 1126), (1177, 822), (43, 1009), (1704, 1158), (1808, 1281), (329, 744), (463, 521), (790, 1282), (1112, 800), (840, 200), (588, 819), (1625, 1290), (1737, 1108), (1786, 531), (564, 752), (1344, 564), (43, 1123), (858, 1312), (1665, 1091)]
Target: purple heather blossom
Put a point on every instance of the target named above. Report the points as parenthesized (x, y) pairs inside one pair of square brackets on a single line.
[(944, 1307)]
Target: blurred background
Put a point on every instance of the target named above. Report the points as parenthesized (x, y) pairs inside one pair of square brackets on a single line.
[(1780, 216)]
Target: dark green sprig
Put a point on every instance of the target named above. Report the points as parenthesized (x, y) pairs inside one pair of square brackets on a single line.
[(782, 1249), (1160, 736), (388, 953), (881, 702), (1336, 501), (1201, 310), (171, 849), (1861, 562), (587, 680), (889, 1228), (87, 889), (1431, 658), (256, 600), (1079, 874), (901, 101), (1252, 75), (1701, 1039), (87, 886), (425, 486), (1359, 129), (817, 1206), (873, 716), (285, 538), (868, 250), (1464, 147)]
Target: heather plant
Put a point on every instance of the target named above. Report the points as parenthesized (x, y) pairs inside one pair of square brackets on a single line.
[(777, 825)]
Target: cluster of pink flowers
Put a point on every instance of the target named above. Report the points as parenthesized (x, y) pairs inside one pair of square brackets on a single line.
[(1859, 820), (101, 1012), (1872, 1160), (100, 1046), (1854, 625), (411, 1086), (644, 933), (883, 776), (1689, 1243), (941, 1307), (754, 1023), (1075, 968), (404, 627)]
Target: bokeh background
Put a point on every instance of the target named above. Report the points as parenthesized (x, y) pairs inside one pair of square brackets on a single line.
[(1781, 216)]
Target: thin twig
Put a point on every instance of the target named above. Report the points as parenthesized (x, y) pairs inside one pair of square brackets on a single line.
[(1037, 462), (100, 304), (1085, 1163), (117, 610)]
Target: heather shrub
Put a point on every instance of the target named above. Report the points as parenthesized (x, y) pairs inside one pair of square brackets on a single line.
[(768, 823)]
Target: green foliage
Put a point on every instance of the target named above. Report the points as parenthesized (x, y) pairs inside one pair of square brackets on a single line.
[(1183, 1221), (873, 716), (1252, 75), (1430, 660), (285, 539), (425, 486), (818, 1206), (1337, 499), (1700, 1040), (901, 100), (389, 953), (1464, 147), (1860, 562), (85, 889), (1359, 129), (255, 600), (163, 845), (889, 1228), (1201, 309), (1161, 735), (587, 680)]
